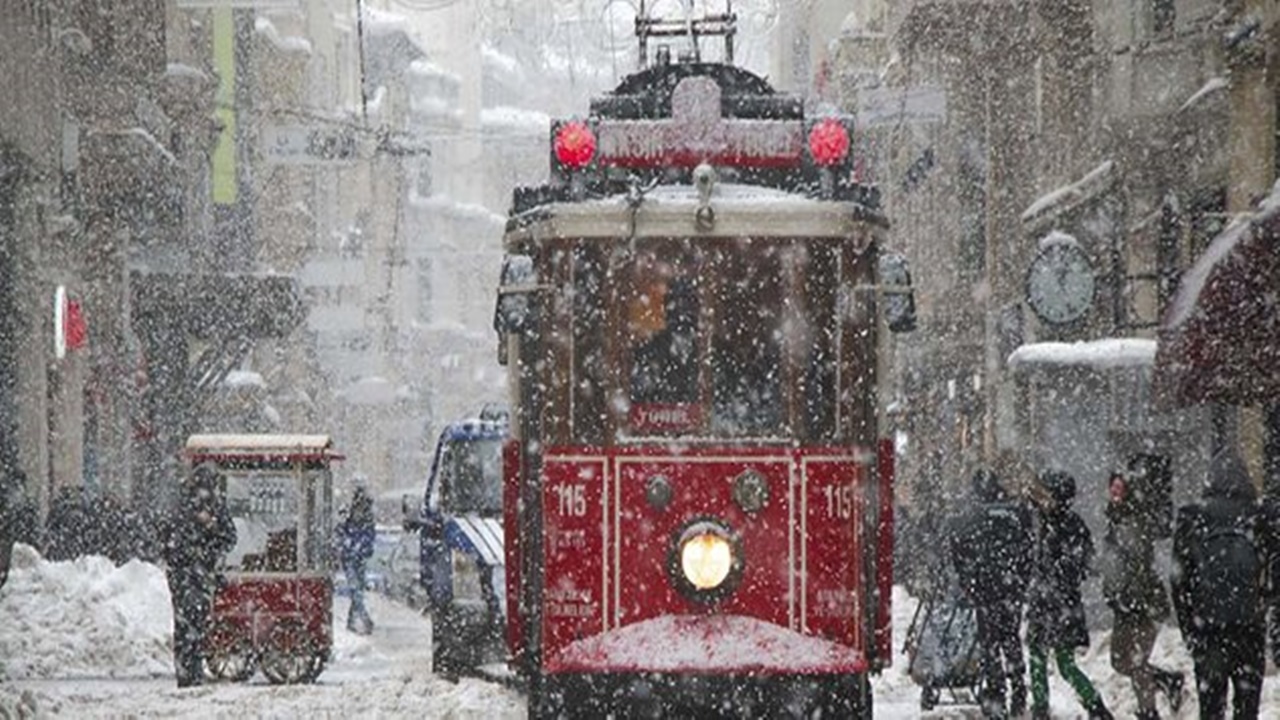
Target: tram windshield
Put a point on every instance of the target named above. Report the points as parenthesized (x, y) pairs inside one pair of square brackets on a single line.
[(719, 338), (470, 476)]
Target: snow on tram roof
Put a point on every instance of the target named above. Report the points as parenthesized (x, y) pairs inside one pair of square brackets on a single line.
[(670, 211)]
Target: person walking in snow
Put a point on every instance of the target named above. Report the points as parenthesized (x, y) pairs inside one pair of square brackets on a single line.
[(991, 552), (1133, 590), (1055, 612), (355, 538), (1218, 591), (195, 540)]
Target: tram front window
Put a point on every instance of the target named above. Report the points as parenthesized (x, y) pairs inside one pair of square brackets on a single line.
[(746, 351), (662, 325), (471, 476)]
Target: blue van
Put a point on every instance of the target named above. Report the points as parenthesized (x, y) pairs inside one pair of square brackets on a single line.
[(462, 566)]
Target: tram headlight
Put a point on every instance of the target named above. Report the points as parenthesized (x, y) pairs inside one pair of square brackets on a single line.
[(706, 559), (706, 562)]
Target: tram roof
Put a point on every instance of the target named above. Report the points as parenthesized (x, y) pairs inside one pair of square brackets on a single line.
[(670, 211)]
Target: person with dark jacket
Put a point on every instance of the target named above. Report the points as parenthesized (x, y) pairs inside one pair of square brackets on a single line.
[(1055, 610), (356, 536), (1218, 565), (196, 538), (991, 552), (1131, 587)]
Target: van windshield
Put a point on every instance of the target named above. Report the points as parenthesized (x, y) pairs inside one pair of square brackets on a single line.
[(471, 476)]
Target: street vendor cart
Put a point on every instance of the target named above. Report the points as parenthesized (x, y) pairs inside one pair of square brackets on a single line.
[(274, 611)]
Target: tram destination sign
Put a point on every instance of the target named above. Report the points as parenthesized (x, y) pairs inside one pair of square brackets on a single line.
[(697, 133)]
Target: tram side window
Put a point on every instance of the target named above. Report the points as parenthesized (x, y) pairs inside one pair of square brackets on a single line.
[(588, 356), (663, 323), (819, 379), (746, 352), (264, 509)]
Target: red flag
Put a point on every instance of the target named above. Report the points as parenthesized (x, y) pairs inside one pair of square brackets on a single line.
[(77, 332)]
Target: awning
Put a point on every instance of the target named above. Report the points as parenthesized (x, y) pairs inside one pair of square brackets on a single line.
[(1220, 337)]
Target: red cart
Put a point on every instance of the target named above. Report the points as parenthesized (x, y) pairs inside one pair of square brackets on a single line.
[(275, 610)]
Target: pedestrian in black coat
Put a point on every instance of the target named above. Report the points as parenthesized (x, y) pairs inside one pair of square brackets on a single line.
[(1055, 611), (197, 537), (991, 552), (1218, 589), (1133, 590)]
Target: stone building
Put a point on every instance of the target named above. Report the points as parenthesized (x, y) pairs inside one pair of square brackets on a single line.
[(989, 127)]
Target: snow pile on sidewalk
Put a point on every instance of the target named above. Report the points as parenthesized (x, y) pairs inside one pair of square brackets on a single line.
[(85, 618)]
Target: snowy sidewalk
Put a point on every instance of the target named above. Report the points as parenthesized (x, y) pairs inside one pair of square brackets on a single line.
[(87, 639)]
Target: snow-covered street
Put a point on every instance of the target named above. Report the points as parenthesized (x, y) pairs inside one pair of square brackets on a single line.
[(89, 639)]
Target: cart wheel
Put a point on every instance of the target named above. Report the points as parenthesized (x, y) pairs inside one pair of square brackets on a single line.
[(288, 656), (229, 654), (318, 662), (928, 698)]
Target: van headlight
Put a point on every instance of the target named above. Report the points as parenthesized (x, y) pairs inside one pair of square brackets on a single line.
[(706, 561), (466, 578)]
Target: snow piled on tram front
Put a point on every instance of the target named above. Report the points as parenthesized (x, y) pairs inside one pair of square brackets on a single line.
[(708, 643)]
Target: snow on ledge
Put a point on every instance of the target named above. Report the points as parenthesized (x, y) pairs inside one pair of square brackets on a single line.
[(1213, 85), (244, 378), (383, 22), (515, 118), (1103, 354), (1083, 189), (1057, 237), (285, 43)]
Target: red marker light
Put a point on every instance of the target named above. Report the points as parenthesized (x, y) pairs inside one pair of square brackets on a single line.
[(575, 144), (828, 142)]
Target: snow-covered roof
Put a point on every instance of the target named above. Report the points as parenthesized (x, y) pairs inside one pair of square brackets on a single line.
[(383, 22), (286, 43), (183, 70), (1061, 198), (425, 68), (498, 60), (1057, 237), (244, 378), (506, 117), (1103, 354)]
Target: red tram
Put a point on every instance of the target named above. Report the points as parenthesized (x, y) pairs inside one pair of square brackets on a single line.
[(698, 496)]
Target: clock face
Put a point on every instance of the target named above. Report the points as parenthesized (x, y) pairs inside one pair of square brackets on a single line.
[(1060, 284)]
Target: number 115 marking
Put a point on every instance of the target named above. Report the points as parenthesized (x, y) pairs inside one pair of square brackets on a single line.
[(839, 501)]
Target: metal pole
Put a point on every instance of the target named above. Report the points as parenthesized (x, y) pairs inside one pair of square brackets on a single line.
[(364, 95)]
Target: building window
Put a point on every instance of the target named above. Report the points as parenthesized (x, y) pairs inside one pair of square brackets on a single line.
[(425, 286), (972, 192), (1163, 14)]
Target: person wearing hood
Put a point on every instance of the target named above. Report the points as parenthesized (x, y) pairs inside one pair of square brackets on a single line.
[(196, 538), (356, 536), (1218, 562), (991, 552), (1132, 588), (1055, 610)]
